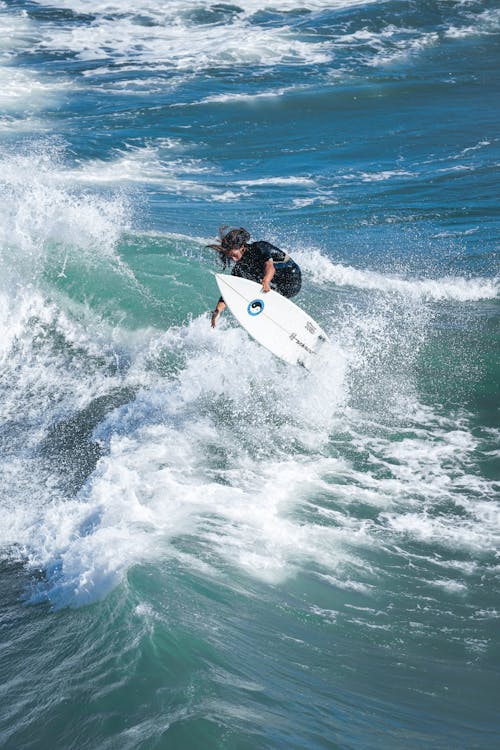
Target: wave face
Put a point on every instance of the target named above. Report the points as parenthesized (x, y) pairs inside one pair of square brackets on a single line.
[(202, 547)]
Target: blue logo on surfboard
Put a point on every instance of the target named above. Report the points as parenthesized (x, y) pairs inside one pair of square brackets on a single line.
[(255, 307)]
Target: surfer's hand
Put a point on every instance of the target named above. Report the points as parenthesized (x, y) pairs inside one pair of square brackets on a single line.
[(265, 286), (215, 318)]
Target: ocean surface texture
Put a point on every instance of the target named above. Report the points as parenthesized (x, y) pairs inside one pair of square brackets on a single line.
[(201, 547)]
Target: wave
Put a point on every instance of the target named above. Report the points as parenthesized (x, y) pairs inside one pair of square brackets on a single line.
[(45, 179), (396, 41), (180, 7), (387, 174), (485, 23), (245, 97), (239, 465), (160, 164), (132, 441), (225, 37), (37, 208), (322, 270), (229, 459), (123, 39), (18, 31), (86, 544), (166, 164), (24, 92)]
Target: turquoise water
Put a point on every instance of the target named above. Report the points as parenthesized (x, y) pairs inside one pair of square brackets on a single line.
[(202, 547)]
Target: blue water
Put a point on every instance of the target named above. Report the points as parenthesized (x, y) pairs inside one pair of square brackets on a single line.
[(201, 546)]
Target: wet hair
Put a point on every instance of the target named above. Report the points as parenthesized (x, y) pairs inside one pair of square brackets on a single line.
[(230, 238), (233, 238)]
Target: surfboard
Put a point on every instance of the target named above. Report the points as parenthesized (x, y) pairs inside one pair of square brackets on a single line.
[(273, 320)]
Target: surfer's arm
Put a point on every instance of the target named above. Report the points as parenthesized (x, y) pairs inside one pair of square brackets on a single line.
[(219, 307), (269, 271)]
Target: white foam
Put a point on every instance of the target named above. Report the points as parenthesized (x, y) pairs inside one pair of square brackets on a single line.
[(166, 166), (161, 477), (387, 174), (17, 31), (121, 517), (181, 6), (162, 163), (18, 124), (124, 39), (23, 91), (223, 453), (117, 32), (451, 532), (456, 233), (322, 270), (37, 208), (146, 165), (240, 464), (234, 97), (227, 196), (476, 147), (322, 198), (395, 43), (234, 449), (44, 224), (398, 49), (391, 44), (46, 351), (485, 23)]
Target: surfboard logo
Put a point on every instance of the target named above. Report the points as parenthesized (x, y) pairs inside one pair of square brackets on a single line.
[(294, 337), (255, 307)]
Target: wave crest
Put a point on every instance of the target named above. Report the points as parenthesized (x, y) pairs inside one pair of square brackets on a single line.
[(457, 288)]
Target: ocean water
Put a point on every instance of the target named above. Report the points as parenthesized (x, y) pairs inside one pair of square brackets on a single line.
[(201, 547)]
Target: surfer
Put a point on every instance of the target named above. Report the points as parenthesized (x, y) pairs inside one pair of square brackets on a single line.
[(258, 261)]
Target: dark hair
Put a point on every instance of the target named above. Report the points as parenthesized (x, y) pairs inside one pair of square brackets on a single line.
[(234, 238), (230, 239), (225, 261)]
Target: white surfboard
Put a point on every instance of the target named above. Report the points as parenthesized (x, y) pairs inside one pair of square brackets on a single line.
[(273, 320)]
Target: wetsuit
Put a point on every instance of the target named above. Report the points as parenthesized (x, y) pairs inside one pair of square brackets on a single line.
[(287, 279)]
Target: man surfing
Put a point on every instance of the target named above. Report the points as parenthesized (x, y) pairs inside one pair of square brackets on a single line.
[(258, 261)]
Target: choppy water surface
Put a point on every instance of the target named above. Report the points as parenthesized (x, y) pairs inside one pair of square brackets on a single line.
[(202, 547)]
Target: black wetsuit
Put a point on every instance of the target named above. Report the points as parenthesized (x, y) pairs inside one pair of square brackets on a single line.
[(287, 279)]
